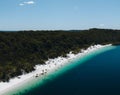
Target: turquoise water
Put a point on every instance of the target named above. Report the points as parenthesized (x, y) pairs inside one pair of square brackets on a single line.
[(65, 80)]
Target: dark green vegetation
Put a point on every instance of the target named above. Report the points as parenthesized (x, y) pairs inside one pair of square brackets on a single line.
[(21, 51)]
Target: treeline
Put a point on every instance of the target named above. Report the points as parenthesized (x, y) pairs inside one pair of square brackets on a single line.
[(22, 50)]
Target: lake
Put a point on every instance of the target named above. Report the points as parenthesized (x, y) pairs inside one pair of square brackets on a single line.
[(98, 75)]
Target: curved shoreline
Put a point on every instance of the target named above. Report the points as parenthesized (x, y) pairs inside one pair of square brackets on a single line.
[(28, 80)]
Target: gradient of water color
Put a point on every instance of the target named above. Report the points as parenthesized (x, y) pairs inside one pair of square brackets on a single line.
[(66, 79)]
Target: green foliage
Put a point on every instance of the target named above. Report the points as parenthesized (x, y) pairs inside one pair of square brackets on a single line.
[(24, 49)]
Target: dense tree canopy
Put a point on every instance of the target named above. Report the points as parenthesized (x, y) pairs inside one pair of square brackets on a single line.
[(22, 50)]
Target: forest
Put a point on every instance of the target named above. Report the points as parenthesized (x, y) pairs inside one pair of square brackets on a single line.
[(22, 50)]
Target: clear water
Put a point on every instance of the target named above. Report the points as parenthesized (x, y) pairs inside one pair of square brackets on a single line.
[(95, 74)]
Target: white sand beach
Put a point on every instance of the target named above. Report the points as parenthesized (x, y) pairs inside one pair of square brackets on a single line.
[(50, 66)]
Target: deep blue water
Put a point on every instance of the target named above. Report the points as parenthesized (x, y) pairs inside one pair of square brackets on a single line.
[(97, 76)]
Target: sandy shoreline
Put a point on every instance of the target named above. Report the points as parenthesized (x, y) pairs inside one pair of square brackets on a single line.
[(43, 70)]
